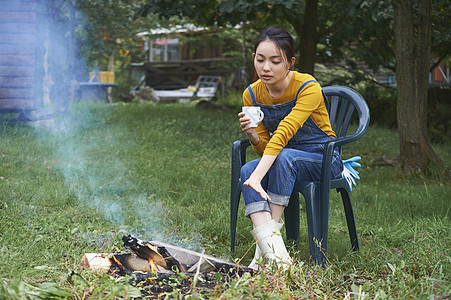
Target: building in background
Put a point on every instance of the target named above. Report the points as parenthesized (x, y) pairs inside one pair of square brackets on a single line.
[(176, 57), (21, 55)]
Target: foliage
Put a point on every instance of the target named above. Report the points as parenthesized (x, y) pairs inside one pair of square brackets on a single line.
[(20, 290), (439, 114), (382, 104), (232, 99), (107, 28), (361, 35), (162, 172), (441, 31), (259, 14)]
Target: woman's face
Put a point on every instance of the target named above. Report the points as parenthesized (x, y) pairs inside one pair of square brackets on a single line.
[(270, 64)]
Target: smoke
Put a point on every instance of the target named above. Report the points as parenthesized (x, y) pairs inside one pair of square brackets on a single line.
[(102, 181), (99, 182)]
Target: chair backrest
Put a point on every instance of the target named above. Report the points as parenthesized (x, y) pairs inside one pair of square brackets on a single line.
[(207, 81), (345, 107)]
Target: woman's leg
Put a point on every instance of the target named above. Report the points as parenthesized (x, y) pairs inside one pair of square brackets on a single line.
[(269, 241), (294, 166), (291, 166), (253, 201), (260, 217), (258, 209), (276, 211)]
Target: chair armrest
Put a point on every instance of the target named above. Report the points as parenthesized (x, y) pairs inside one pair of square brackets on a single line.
[(326, 166), (239, 152), (238, 160)]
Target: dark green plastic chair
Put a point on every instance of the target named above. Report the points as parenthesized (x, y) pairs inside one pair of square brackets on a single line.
[(345, 104)]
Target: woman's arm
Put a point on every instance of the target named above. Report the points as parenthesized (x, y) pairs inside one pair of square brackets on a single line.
[(260, 171), (249, 131), (258, 136)]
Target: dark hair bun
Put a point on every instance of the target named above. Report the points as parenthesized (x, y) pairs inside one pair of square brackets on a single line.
[(280, 37)]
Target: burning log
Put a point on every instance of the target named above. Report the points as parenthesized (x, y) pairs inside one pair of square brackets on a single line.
[(159, 259), (159, 255), (208, 263), (105, 261), (96, 261), (153, 264)]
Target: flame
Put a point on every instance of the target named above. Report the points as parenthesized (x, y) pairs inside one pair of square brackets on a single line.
[(117, 261), (153, 268)]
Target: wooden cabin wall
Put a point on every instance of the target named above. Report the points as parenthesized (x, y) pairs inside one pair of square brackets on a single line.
[(21, 54)]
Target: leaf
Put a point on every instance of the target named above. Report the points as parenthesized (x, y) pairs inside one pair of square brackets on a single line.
[(366, 286), (392, 268), (226, 7), (133, 292), (74, 230), (381, 294), (46, 290), (402, 264), (53, 289)]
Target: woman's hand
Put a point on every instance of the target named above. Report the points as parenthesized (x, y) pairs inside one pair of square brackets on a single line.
[(255, 184), (254, 181), (244, 122), (249, 131)]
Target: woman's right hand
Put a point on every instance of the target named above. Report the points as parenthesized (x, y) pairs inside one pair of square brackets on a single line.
[(256, 185), (249, 131), (244, 122)]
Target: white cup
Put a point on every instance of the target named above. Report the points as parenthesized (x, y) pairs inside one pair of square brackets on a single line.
[(254, 113)]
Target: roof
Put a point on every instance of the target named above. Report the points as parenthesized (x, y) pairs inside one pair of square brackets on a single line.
[(177, 29)]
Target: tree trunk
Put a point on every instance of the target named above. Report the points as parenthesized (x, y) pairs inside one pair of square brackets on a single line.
[(309, 38), (413, 54)]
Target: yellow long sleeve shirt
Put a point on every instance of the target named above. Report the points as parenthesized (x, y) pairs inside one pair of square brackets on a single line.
[(309, 103)]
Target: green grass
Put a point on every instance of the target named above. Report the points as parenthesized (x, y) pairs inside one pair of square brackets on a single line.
[(163, 172)]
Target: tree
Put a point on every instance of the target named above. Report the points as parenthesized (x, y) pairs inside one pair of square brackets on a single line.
[(307, 18), (106, 27), (362, 38), (351, 31), (87, 33), (413, 57)]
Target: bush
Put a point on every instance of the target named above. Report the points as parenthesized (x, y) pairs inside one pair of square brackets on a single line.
[(382, 104), (439, 114)]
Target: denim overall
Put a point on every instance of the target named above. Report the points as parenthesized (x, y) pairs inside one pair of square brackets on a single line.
[(299, 161)]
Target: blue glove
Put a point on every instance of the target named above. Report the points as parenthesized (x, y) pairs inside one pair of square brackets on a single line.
[(348, 171)]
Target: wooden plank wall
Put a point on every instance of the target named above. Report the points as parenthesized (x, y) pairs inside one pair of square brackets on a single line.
[(180, 74), (21, 55)]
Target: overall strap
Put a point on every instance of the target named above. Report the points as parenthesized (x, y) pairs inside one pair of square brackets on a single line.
[(326, 100), (303, 86), (254, 101)]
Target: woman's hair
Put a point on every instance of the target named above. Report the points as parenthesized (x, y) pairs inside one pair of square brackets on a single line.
[(282, 39)]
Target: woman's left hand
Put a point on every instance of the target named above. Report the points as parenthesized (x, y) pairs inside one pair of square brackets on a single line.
[(255, 184)]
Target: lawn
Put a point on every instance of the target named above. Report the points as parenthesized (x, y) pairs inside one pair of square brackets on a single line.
[(162, 172)]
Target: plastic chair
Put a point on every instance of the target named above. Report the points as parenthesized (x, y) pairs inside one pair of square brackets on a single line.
[(344, 103)]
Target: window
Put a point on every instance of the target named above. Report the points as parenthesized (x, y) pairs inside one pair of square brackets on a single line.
[(164, 50)]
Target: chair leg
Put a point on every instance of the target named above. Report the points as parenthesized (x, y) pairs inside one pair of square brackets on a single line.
[(234, 204), (350, 218), (292, 218), (312, 206)]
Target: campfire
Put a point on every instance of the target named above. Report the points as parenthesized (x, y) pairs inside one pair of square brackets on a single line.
[(155, 261)]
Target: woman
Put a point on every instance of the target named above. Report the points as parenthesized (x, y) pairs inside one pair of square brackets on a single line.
[(290, 140)]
